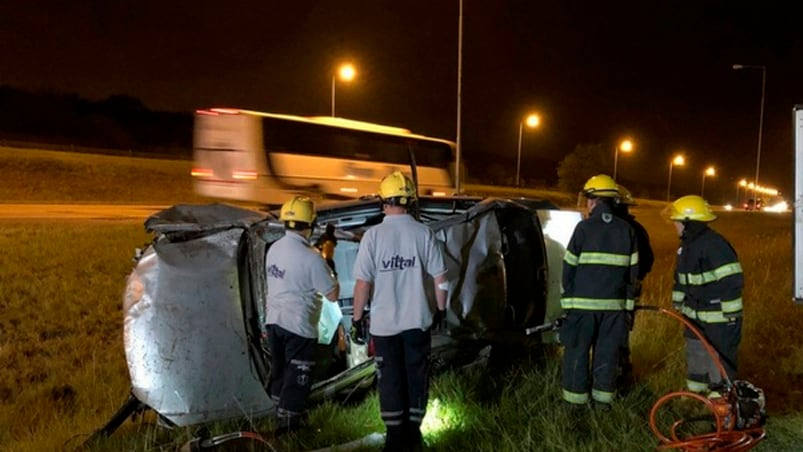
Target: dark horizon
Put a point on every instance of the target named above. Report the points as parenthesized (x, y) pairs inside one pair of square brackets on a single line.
[(661, 74)]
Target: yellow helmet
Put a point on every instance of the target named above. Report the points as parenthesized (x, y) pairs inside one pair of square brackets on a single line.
[(300, 209), (601, 186), (625, 197), (691, 207), (396, 188)]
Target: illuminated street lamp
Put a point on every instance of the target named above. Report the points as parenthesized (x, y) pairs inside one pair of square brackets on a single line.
[(678, 160), (710, 171), (742, 183), (532, 121), (625, 146), (763, 70), (345, 72)]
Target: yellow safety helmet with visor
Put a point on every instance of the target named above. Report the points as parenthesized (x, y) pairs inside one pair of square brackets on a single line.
[(691, 207), (601, 186)]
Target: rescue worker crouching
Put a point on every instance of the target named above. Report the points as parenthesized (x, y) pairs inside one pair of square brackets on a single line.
[(707, 291), (394, 261), (599, 274), (297, 275)]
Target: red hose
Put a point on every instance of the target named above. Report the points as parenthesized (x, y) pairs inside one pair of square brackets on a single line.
[(725, 438)]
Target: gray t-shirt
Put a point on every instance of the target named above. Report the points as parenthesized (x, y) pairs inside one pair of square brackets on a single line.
[(296, 276), (396, 256)]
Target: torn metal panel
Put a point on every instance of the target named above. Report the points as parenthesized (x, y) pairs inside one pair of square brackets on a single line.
[(185, 339)]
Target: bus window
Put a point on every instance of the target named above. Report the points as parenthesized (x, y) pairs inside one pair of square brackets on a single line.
[(267, 158)]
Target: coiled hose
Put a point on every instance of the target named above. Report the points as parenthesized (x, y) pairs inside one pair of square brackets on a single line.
[(726, 437)]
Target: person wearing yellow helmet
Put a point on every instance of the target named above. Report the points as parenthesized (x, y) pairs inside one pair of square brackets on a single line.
[(708, 285), (396, 260), (645, 262), (296, 277), (599, 275)]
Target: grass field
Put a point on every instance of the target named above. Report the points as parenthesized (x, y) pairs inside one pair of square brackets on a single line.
[(63, 370)]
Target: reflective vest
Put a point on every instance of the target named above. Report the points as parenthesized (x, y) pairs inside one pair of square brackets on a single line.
[(708, 276), (601, 264)]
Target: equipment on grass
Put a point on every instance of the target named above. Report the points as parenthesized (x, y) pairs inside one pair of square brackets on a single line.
[(738, 409)]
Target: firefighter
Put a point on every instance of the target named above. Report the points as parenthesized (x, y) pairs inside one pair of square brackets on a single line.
[(708, 291), (395, 260), (645, 261), (599, 275), (297, 276)]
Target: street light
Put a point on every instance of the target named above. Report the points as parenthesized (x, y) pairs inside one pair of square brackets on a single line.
[(346, 72), (763, 70), (710, 171), (678, 160), (624, 146), (532, 121), (742, 183)]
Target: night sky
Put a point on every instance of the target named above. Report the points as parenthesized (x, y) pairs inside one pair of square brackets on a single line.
[(596, 71)]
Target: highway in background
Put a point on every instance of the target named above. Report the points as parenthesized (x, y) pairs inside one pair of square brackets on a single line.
[(76, 211)]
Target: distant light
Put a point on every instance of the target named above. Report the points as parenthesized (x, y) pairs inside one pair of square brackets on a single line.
[(679, 160), (244, 175), (438, 193), (348, 189), (728, 207), (781, 206), (533, 120), (202, 172), (626, 146), (347, 72)]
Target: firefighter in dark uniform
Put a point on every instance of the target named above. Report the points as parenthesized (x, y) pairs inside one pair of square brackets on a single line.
[(396, 261), (645, 260), (599, 276), (707, 291), (297, 278)]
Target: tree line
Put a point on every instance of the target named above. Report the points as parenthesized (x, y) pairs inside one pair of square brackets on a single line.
[(117, 122)]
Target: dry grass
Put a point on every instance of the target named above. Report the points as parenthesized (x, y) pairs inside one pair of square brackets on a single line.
[(63, 372)]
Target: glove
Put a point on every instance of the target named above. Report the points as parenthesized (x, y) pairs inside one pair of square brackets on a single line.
[(439, 321), (358, 331)]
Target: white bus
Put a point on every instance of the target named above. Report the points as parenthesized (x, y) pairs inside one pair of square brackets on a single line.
[(267, 158)]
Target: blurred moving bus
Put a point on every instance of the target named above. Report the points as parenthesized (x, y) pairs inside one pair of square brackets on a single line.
[(267, 158)]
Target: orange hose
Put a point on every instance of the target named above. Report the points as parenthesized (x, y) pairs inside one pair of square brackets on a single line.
[(725, 438)]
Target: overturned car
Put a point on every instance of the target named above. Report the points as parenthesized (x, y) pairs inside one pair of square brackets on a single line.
[(194, 303)]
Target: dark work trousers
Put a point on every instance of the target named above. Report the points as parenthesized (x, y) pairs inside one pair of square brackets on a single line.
[(402, 369), (702, 373), (290, 374), (583, 331)]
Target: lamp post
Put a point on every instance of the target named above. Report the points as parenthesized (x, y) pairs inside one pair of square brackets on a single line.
[(345, 72), (678, 160), (710, 171), (532, 121), (763, 70), (624, 146)]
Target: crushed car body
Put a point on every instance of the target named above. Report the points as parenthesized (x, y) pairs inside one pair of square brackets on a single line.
[(194, 303)]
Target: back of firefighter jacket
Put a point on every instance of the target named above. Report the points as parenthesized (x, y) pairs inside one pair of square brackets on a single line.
[(601, 263)]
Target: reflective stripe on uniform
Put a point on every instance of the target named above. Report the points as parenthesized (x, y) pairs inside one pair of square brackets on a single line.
[(570, 258), (699, 279), (732, 306), (576, 398), (602, 396), (618, 260), (634, 259), (696, 386), (704, 316), (597, 304), (678, 295)]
